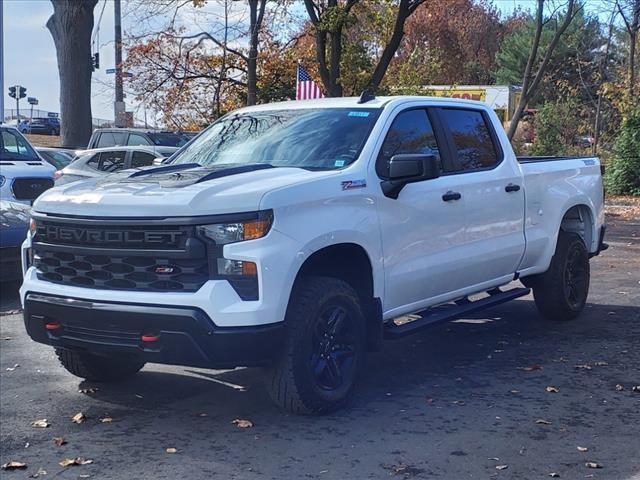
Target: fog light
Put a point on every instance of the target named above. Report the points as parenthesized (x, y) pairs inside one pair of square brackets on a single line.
[(52, 326)]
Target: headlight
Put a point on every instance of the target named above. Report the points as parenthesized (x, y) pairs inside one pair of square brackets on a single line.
[(224, 233), (2, 180)]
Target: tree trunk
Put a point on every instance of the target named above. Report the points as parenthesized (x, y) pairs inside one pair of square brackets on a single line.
[(256, 13), (633, 37), (70, 26)]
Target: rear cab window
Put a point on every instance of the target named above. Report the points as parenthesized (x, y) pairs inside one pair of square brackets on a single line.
[(473, 142), (111, 139), (135, 139)]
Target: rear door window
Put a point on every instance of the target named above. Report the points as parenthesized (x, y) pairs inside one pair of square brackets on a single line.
[(473, 143), (136, 139), (410, 132), (141, 159), (111, 161), (111, 139)]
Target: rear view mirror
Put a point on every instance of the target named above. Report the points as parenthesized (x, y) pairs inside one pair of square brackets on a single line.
[(409, 168)]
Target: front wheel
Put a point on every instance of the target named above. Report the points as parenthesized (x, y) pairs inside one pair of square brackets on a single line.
[(324, 349), (561, 292)]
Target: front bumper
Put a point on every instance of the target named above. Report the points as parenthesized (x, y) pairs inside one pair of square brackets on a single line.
[(180, 335)]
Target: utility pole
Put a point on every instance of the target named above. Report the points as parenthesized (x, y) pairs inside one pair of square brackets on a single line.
[(1, 66), (119, 106)]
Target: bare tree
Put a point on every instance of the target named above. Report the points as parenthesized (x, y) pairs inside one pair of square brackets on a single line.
[(630, 13), (535, 68), (70, 26), (329, 19)]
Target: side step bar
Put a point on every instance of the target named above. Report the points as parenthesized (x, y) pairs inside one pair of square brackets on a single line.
[(451, 311)]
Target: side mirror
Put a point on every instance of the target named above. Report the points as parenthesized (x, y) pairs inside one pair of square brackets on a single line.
[(159, 160), (409, 168)]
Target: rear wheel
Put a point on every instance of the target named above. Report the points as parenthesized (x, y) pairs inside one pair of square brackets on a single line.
[(561, 292), (324, 349), (96, 368)]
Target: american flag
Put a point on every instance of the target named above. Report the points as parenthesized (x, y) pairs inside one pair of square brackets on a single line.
[(306, 88)]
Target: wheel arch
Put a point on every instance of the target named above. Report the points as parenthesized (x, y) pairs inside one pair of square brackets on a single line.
[(579, 218), (351, 263)]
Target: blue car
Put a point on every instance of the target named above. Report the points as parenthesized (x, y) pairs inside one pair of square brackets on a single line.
[(41, 125), (14, 224)]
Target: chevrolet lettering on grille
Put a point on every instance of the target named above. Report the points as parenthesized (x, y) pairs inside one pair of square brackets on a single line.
[(57, 234)]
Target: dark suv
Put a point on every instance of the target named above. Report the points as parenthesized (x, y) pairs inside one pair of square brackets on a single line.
[(42, 125), (120, 137)]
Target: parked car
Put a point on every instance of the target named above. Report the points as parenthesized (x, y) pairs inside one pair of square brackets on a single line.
[(100, 161), (58, 157), (296, 236), (14, 222), (116, 137), (41, 125), (23, 174)]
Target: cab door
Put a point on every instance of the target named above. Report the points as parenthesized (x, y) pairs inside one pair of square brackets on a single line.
[(492, 187), (423, 229)]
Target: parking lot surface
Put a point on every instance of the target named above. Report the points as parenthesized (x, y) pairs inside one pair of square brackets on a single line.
[(500, 395)]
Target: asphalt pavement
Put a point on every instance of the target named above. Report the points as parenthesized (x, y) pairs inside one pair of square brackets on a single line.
[(500, 395)]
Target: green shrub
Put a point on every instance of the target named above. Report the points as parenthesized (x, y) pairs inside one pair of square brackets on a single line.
[(622, 172), (556, 128)]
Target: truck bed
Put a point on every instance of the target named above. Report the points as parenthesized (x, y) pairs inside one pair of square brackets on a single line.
[(550, 158)]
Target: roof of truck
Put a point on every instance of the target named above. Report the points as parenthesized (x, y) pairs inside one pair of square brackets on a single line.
[(354, 102)]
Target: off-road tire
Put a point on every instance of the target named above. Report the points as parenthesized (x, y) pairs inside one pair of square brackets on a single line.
[(96, 368), (555, 299), (291, 381)]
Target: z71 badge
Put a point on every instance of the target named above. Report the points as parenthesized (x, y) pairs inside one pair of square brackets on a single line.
[(350, 184)]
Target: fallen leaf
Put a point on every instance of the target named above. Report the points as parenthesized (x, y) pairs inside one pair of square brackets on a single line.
[(203, 414), (171, 450), (11, 369), (40, 423), (13, 465), (74, 461), (514, 391), (458, 402), (619, 387), (554, 475), (584, 366), (240, 423), (78, 418), (593, 465), (635, 388), (106, 419), (26, 445), (552, 389), (542, 421), (59, 441), (600, 364), (495, 459), (502, 467), (531, 368), (137, 395), (429, 400), (7, 338), (84, 475), (582, 449), (88, 391)]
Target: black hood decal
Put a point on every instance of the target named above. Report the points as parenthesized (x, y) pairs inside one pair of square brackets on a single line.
[(178, 176)]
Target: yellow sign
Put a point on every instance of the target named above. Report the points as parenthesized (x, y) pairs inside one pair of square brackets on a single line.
[(480, 95)]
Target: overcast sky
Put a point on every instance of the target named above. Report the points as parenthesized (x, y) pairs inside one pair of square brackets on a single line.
[(30, 57)]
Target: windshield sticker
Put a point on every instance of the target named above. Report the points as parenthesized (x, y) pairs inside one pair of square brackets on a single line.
[(589, 162), (338, 163), (351, 184), (359, 114)]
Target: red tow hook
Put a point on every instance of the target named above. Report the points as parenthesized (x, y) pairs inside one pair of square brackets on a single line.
[(52, 325), (150, 337)]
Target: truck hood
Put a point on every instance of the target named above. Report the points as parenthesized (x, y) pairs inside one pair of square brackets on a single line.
[(171, 191), (23, 168)]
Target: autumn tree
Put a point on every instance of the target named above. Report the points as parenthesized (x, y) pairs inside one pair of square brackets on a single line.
[(630, 12), (70, 25), (332, 18), (538, 59)]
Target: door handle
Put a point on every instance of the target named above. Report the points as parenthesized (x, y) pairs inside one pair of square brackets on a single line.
[(512, 187), (449, 196)]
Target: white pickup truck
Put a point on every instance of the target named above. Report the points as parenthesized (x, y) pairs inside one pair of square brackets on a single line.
[(296, 236)]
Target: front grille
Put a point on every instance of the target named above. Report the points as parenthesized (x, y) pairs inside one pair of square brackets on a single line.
[(152, 258), (30, 188)]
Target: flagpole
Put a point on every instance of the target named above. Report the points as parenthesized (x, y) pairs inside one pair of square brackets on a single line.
[(297, 77)]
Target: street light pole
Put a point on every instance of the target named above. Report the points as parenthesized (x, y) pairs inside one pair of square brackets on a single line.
[(119, 106), (2, 94)]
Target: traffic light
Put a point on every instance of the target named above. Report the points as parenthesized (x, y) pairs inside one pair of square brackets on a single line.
[(23, 92), (12, 92), (96, 61)]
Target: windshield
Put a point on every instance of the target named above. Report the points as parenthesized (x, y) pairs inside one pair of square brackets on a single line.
[(14, 146), (168, 139), (326, 138)]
